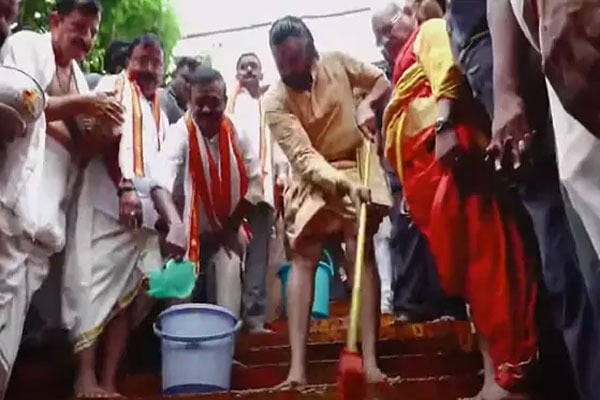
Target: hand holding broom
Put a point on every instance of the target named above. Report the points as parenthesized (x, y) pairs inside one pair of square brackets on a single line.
[(351, 381)]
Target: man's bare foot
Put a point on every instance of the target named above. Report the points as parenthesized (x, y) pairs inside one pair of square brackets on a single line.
[(111, 390), (95, 392), (374, 375), (491, 391), (294, 381), (260, 330), (289, 384), (445, 318), (86, 387)]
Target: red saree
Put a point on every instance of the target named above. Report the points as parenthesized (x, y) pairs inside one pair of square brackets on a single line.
[(473, 231)]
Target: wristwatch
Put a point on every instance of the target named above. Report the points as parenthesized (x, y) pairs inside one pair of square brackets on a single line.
[(442, 124), (125, 186)]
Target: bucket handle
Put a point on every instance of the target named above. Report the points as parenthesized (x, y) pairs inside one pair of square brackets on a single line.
[(328, 258), (194, 339)]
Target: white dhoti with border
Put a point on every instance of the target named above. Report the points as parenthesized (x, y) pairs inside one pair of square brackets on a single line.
[(105, 265), (23, 268)]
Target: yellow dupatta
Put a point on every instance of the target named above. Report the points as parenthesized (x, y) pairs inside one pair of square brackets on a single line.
[(407, 114)]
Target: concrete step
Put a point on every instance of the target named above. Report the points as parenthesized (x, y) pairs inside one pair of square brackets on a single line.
[(435, 361), (335, 329), (325, 372), (432, 388), (327, 351)]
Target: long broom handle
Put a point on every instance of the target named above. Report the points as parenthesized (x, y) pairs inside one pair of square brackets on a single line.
[(359, 262)]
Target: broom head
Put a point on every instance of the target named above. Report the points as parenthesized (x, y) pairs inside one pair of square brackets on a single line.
[(351, 381)]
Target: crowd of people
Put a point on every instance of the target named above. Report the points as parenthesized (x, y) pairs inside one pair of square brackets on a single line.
[(482, 201)]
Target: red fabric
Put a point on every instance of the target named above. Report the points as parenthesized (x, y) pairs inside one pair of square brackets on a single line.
[(480, 249), (405, 58)]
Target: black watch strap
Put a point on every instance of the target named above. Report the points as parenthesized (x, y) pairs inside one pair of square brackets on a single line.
[(442, 124), (125, 188)]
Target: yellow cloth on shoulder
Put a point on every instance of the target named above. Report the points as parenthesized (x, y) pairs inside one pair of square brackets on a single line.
[(407, 115)]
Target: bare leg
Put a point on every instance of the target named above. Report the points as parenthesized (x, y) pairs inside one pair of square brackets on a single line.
[(114, 347), (490, 389), (370, 310), (86, 383), (300, 289)]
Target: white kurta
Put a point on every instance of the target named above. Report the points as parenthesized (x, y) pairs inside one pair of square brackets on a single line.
[(247, 111), (577, 150), (173, 166), (35, 168), (106, 262)]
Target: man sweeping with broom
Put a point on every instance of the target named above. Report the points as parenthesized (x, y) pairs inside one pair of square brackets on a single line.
[(312, 115)]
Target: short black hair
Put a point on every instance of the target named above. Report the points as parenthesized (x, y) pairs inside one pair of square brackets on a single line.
[(116, 56), (145, 40), (203, 75), (183, 62), (247, 54), (290, 26), (66, 7)]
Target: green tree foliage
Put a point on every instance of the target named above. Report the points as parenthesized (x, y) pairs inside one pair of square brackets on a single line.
[(121, 19)]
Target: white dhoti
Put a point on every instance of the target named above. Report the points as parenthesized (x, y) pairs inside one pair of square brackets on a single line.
[(383, 258), (224, 276), (578, 156), (105, 262), (105, 265), (23, 268)]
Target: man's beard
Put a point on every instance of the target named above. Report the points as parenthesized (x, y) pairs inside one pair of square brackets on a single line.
[(300, 82)]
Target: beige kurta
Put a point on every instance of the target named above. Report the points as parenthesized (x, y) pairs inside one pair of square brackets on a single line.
[(318, 133)]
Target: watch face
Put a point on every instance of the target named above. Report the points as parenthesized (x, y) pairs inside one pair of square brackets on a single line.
[(439, 125)]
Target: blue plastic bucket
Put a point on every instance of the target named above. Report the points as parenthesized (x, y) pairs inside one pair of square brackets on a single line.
[(325, 271), (197, 342)]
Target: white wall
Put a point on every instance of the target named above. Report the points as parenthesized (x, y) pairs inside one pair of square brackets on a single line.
[(350, 33)]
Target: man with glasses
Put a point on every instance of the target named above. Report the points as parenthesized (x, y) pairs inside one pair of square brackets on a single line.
[(417, 294)]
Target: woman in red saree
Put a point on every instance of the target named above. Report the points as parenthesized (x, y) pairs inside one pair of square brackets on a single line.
[(435, 139)]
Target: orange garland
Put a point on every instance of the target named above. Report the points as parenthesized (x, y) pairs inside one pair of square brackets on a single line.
[(218, 206), (112, 158)]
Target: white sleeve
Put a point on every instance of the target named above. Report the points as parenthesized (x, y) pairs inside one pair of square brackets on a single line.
[(19, 52), (252, 163), (107, 84), (126, 157), (171, 160)]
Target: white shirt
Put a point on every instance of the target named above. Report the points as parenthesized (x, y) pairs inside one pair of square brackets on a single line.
[(577, 149), (247, 111), (173, 165), (104, 189), (37, 166)]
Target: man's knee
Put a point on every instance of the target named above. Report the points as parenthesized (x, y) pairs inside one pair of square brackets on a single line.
[(307, 253)]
